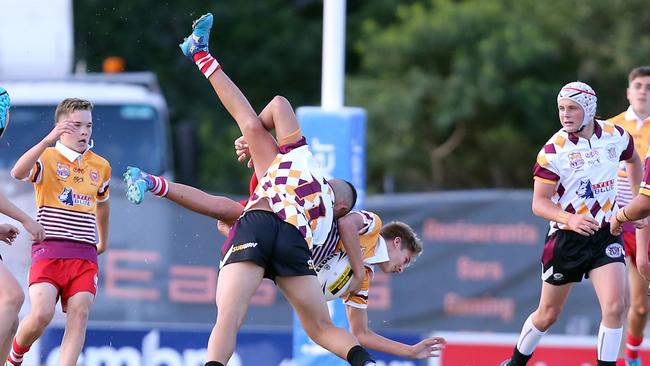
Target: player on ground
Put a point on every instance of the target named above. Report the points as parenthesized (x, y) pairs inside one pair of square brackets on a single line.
[(71, 185), (575, 189)]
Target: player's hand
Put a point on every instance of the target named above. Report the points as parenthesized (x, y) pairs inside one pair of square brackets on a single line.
[(427, 348), (355, 284), (224, 227), (8, 233), (65, 126), (242, 151), (583, 224), (35, 230), (615, 226)]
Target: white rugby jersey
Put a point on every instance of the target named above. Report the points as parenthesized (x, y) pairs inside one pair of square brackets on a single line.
[(297, 192), (373, 251), (584, 171)]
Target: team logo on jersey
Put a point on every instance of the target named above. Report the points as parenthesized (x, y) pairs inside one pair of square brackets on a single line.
[(94, 176), (62, 170), (575, 160), (585, 190), (593, 157), (615, 250), (611, 152), (69, 198)]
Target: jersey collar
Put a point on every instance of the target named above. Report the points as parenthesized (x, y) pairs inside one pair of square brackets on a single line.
[(67, 152), (630, 115)]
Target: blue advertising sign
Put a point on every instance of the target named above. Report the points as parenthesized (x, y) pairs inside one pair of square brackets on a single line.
[(187, 346), (337, 140)]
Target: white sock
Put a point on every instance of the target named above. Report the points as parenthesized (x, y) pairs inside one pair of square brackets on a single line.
[(529, 337), (609, 340)]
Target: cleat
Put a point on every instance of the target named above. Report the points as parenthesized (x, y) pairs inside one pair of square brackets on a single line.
[(505, 363), (199, 39), (634, 362), (136, 184)]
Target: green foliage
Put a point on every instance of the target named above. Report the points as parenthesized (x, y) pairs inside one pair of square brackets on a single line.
[(459, 93), (487, 71)]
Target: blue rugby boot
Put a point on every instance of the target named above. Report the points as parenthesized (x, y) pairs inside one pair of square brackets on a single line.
[(199, 39), (137, 184)]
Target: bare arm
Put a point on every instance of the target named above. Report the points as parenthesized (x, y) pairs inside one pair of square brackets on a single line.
[(26, 162), (634, 170), (35, 229), (103, 212), (349, 226), (545, 208), (358, 319), (218, 207)]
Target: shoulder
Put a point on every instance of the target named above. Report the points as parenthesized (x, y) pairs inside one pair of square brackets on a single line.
[(555, 145), (610, 128), (97, 159), (617, 119)]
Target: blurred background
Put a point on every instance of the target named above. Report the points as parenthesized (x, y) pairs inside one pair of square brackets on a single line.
[(458, 97)]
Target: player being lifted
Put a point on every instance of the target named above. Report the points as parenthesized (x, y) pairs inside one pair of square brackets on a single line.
[(292, 208)]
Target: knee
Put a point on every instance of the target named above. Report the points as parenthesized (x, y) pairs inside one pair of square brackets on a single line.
[(279, 102), (315, 327), (640, 309), (80, 313), (546, 317), (615, 309), (42, 317)]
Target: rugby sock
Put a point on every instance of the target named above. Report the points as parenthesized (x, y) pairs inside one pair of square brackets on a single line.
[(606, 363), (157, 185), (17, 353), (206, 63), (529, 337), (609, 340), (213, 363), (632, 346), (358, 356), (518, 359)]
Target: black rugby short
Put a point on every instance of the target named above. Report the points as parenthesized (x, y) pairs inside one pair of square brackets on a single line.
[(569, 256), (262, 237)]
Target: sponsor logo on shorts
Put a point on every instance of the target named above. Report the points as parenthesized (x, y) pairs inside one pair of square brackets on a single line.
[(615, 250), (558, 276), (310, 264), (239, 247)]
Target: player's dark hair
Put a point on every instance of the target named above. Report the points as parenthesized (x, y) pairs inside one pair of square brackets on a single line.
[(354, 193)]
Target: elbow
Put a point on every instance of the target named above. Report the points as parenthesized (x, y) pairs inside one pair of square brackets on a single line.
[(16, 174)]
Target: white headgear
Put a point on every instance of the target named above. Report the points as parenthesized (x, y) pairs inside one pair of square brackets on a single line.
[(582, 94)]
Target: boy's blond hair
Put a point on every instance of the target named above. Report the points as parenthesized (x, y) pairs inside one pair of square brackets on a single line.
[(398, 229), (70, 105)]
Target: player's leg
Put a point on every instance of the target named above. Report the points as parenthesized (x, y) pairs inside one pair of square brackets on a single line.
[(279, 115), (637, 314), (193, 199), (304, 294), (11, 299), (236, 286), (43, 296), (77, 309), (609, 283), (551, 303), (261, 143)]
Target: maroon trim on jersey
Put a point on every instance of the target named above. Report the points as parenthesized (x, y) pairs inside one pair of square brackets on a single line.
[(569, 208), (629, 150), (573, 138), (38, 172), (549, 248), (598, 131), (544, 173), (560, 190), (549, 148), (294, 145)]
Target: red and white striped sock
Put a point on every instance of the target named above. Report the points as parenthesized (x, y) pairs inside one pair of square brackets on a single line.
[(633, 344), (206, 63), (17, 353), (158, 185)]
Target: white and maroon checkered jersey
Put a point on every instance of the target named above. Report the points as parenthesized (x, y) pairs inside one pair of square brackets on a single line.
[(297, 192), (585, 171)]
